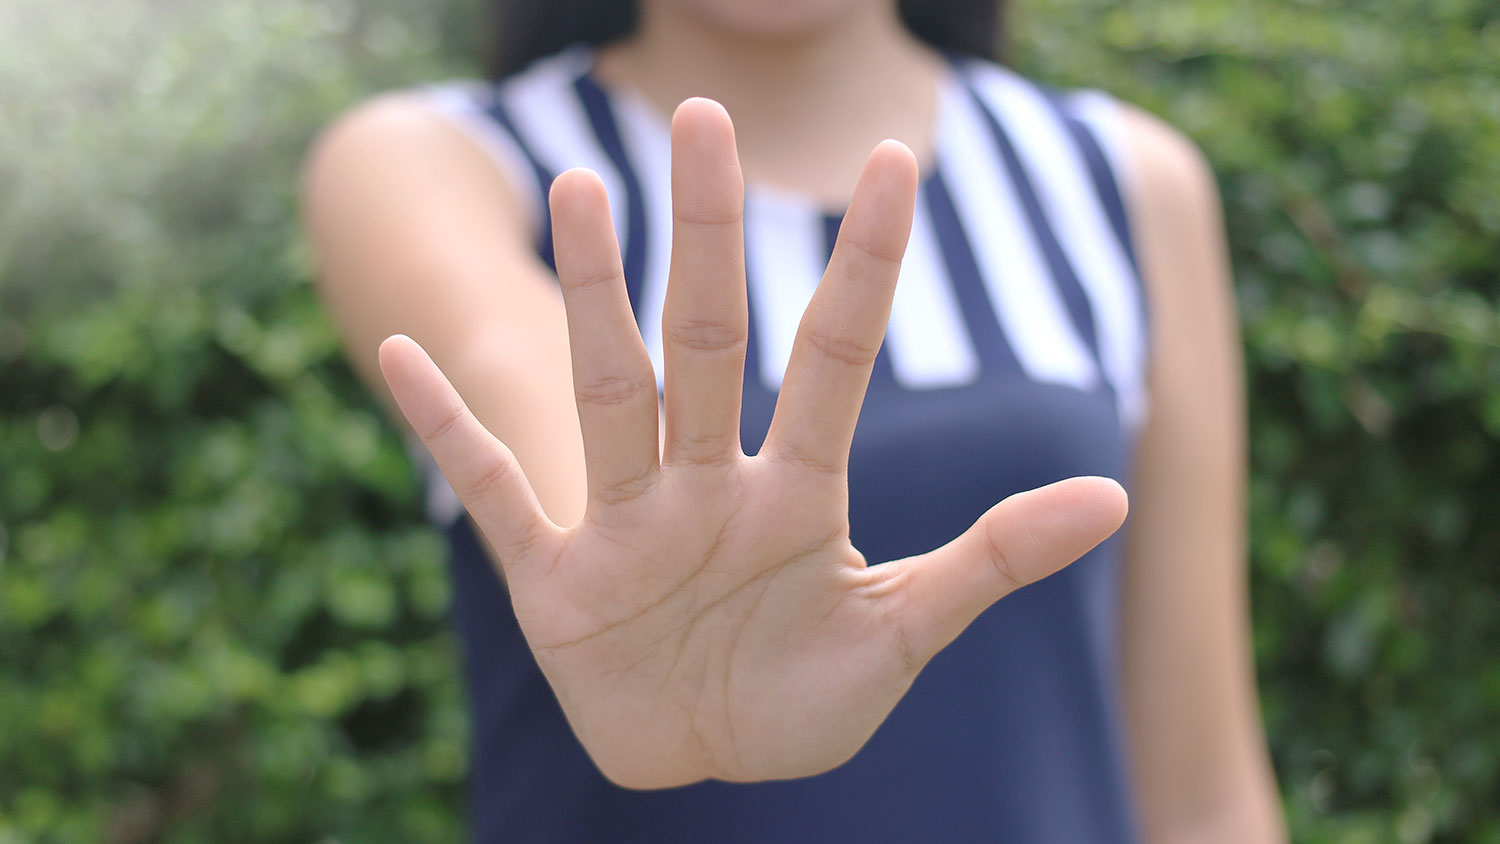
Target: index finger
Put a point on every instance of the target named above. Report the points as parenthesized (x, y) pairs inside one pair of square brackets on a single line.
[(845, 322)]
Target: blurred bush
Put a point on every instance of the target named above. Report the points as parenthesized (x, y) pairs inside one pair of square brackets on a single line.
[(222, 620), (1358, 149), (220, 617)]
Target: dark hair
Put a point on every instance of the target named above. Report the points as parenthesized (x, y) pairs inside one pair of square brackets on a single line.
[(522, 31)]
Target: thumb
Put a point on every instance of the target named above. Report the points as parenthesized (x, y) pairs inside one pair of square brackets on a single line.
[(1018, 541)]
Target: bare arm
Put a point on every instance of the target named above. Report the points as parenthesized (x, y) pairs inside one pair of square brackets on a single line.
[(1201, 765), (417, 232)]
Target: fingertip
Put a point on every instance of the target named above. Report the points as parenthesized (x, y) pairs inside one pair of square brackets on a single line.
[(401, 361), (890, 174), (575, 183), (391, 344), (699, 109), (1110, 497), (893, 147), (573, 173), (701, 127), (881, 210), (1090, 504), (896, 156), (397, 343), (394, 354), (578, 204)]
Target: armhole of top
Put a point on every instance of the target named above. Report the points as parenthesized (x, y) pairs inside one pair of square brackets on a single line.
[(1100, 112), (1101, 117), (461, 104)]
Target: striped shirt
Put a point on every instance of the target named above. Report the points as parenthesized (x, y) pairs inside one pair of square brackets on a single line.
[(1015, 356)]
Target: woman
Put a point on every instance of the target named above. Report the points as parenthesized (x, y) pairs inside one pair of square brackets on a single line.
[(704, 649)]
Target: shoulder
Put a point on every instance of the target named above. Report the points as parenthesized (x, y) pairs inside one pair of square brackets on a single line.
[(1178, 226), (402, 151), (459, 129), (1165, 174), (1158, 172), (390, 134), (1170, 197)]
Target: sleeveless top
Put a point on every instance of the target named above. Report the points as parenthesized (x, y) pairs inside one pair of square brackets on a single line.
[(1015, 357)]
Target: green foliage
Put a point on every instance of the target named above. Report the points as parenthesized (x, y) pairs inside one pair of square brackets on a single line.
[(221, 618), (1358, 149)]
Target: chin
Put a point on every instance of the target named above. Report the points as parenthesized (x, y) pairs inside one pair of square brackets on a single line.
[(772, 18)]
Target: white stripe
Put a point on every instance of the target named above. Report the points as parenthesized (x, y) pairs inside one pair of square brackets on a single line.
[(1079, 220), (647, 143), (1101, 112), (1028, 306), (928, 341), (785, 256), (461, 105), (553, 123)]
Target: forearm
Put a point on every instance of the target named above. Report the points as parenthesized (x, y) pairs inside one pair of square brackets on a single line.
[(416, 233), (1247, 816)]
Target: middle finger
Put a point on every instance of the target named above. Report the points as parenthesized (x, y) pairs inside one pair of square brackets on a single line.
[(704, 318)]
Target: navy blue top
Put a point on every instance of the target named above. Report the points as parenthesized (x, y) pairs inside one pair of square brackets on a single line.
[(1015, 357)]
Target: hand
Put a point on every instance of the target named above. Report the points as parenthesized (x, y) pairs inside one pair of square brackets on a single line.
[(708, 617)]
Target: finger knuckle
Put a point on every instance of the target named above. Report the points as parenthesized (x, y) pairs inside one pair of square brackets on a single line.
[(614, 390), (527, 541), (447, 426), (998, 559), (905, 650), (714, 213), (706, 335), (883, 255), (625, 489), (794, 455), (705, 449), (844, 350), (586, 279), (495, 475)]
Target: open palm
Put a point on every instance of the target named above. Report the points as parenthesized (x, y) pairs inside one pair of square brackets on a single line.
[(709, 616)]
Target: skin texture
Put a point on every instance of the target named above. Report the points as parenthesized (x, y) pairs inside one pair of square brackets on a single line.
[(418, 233)]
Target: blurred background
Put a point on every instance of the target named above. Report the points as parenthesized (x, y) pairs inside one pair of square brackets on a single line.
[(221, 618)]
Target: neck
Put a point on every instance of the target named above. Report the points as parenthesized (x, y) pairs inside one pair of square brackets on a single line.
[(808, 104)]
